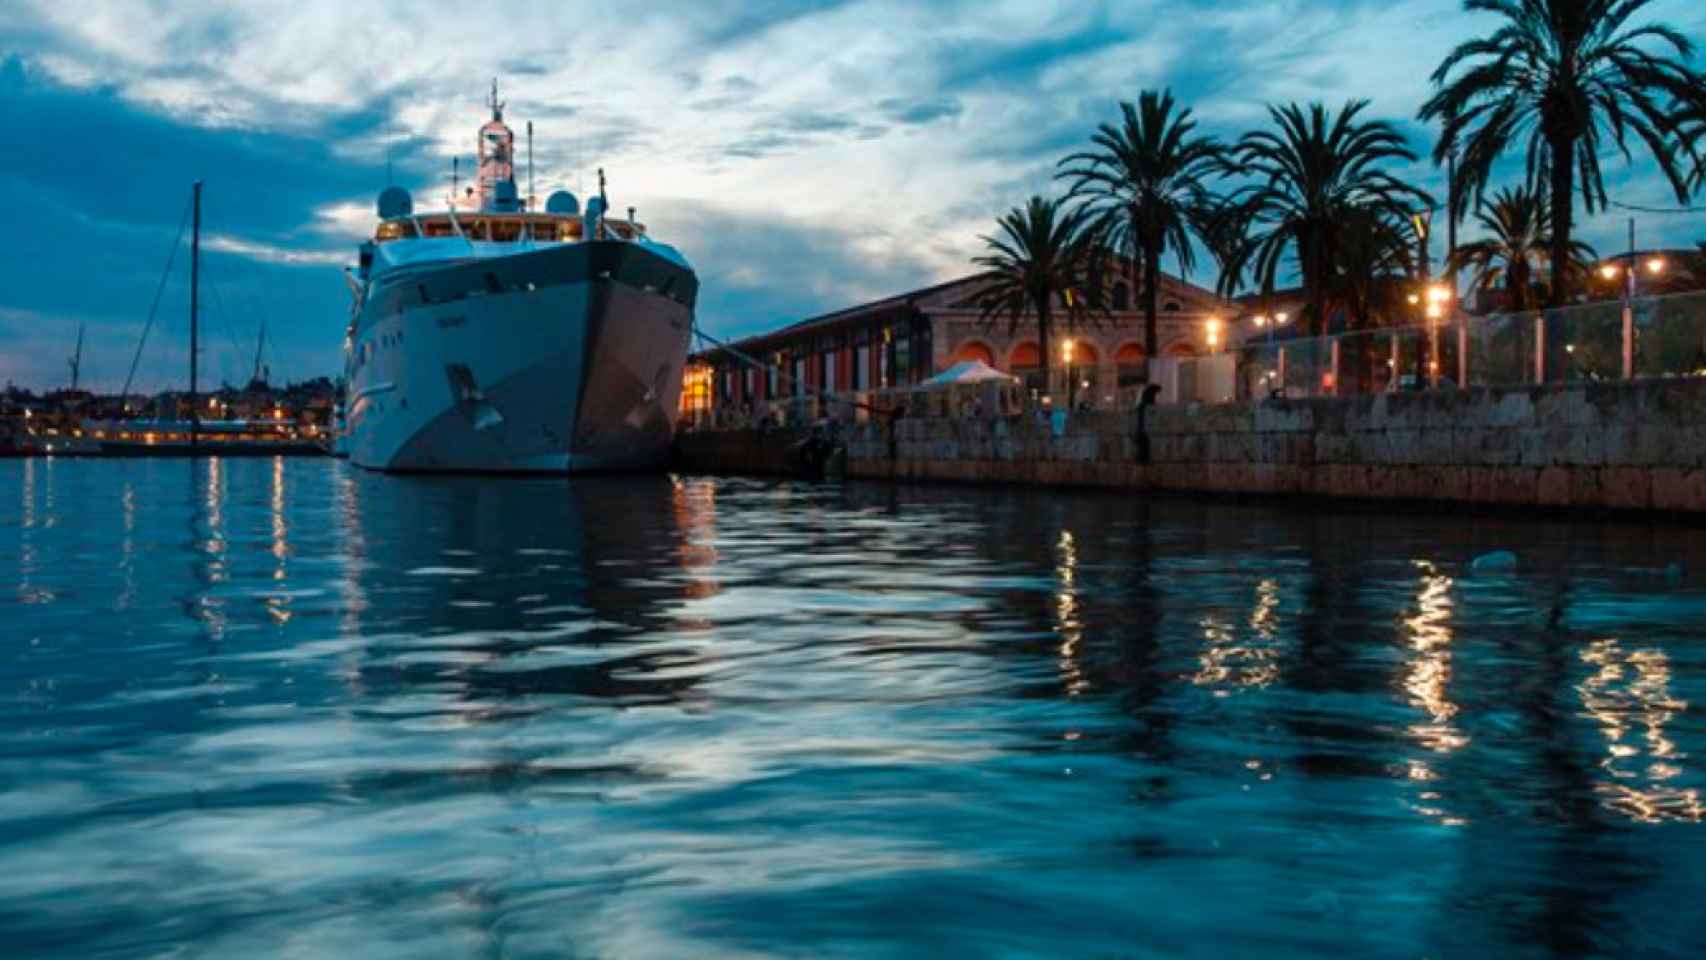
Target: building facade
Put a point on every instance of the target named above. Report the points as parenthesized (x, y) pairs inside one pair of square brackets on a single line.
[(903, 340)]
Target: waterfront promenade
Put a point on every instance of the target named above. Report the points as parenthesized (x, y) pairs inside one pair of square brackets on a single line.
[(1639, 445)]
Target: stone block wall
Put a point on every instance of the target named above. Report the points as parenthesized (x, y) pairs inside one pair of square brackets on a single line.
[(1626, 446), (755, 452)]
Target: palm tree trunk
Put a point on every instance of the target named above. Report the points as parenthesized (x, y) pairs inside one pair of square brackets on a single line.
[(1313, 283), (1563, 150), (1151, 301), (1044, 322)]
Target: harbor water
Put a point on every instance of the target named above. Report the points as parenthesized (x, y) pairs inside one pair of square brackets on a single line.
[(290, 708)]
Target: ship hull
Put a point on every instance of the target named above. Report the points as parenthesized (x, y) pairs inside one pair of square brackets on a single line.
[(561, 360)]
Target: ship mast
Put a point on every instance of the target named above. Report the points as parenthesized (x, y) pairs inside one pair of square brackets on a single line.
[(195, 292)]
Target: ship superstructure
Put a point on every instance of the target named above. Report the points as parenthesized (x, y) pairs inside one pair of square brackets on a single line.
[(490, 336)]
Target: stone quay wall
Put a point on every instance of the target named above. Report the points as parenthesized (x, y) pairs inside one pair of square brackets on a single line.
[(1622, 446)]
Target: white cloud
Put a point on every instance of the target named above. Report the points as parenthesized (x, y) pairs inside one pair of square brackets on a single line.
[(789, 119), (267, 253)]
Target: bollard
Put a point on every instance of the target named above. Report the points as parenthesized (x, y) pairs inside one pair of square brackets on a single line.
[(1463, 354), (1540, 348), (1332, 384), (1628, 337)]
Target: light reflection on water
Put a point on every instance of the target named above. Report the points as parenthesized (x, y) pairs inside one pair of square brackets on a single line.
[(276, 707)]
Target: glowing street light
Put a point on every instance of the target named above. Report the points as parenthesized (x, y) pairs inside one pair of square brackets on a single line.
[(1656, 266), (1066, 358), (1212, 327), (1609, 271)]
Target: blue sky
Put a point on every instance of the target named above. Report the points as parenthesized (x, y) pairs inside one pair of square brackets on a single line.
[(806, 155)]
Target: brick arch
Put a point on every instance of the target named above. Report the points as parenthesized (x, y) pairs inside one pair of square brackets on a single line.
[(1130, 354), (1025, 354), (1180, 348), (1085, 353), (975, 350)]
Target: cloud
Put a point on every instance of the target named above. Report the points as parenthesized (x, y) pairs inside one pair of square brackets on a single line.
[(805, 154), (267, 253), (901, 110), (761, 268)]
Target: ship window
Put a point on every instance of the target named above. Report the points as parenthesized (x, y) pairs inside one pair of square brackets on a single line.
[(506, 231)]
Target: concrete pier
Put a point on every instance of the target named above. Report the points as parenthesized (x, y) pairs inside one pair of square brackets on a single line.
[(1626, 445)]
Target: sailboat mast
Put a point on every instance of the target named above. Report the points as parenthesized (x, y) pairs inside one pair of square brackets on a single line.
[(258, 348), (77, 359), (195, 293)]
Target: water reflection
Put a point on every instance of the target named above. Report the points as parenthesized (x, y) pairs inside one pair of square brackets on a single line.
[(691, 717), (1230, 661), (1066, 614), (1427, 680), (1629, 694)]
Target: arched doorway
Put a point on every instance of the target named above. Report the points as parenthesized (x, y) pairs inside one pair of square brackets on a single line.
[(974, 350), (1025, 361), (1181, 348), (1132, 364)]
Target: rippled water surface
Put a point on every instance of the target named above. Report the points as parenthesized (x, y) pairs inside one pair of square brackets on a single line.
[(289, 708)]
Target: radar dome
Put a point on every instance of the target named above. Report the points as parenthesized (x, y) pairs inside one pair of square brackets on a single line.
[(395, 202), (562, 202)]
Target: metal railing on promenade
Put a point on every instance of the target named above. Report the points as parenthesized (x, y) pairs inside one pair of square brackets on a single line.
[(1648, 337)]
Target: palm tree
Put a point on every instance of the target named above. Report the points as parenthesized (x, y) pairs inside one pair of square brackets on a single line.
[(1310, 175), (1373, 262), (1560, 78), (1044, 260), (1141, 186), (1519, 237), (1691, 272)]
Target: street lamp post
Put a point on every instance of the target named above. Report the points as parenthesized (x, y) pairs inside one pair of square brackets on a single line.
[(1066, 357), (1631, 275), (1439, 296), (1271, 324)]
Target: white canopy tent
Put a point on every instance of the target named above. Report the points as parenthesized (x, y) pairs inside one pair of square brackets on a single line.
[(968, 372)]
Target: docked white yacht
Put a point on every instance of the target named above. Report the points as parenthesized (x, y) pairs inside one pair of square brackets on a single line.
[(495, 337)]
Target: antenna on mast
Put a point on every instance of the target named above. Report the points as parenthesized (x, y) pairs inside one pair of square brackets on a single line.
[(455, 178), (530, 196)]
